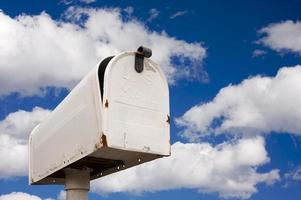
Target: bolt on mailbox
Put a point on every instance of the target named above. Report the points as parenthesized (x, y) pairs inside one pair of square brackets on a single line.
[(117, 117)]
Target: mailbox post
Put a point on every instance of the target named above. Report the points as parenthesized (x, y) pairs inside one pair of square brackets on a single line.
[(117, 117), (77, 183)]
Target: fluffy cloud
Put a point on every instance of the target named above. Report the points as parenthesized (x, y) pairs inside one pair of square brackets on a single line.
[(228, 169), (19, 196), (257, 105), (283, 36), (62, 195), (39, 51), (14, 132), (18, 125)]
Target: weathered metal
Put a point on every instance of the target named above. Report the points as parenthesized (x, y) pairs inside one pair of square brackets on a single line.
[(115, 118)]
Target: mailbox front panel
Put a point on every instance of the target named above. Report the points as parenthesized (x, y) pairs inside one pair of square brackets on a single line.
[(136, 106)]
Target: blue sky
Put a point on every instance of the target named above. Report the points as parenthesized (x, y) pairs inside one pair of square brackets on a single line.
[(229, 89)]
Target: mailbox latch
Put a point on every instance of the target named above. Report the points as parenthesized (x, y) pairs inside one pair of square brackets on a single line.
[(139, 58)]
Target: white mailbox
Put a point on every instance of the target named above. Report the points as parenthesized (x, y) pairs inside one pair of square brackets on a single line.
[(115, 118)]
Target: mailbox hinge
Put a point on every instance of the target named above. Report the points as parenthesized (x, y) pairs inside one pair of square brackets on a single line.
[(168, 119), (139, 57)]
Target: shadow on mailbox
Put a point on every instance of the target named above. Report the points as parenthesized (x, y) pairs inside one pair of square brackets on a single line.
[(115, 118)]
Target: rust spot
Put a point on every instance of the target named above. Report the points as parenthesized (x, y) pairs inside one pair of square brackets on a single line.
[(168, 119), (104, 140), (96, 146), (107, 103)]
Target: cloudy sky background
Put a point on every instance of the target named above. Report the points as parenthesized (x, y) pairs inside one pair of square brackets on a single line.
[(235, 85)]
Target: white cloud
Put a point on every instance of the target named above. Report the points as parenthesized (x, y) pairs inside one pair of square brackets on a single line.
[(18, 125), (14, 133), (294, 174), (62, 195), (153, 14), (19, 196), (129, 10), (228, 169), (258, 53), (87, 1), (39, 51), (178, 14), (257, 105), (283, 36), (68, 2)]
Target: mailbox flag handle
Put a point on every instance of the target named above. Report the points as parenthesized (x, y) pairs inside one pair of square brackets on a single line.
[(146, 52), (139, 58)]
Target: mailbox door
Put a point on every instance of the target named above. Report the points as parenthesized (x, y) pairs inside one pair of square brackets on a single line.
[(136, 106)]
